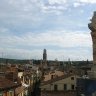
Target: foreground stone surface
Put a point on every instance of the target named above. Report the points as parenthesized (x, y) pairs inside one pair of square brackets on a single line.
[(92, 27)]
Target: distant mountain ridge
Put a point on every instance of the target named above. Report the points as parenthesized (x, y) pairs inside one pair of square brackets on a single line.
[(27, 61)]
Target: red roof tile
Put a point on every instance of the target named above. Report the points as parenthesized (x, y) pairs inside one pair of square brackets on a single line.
[(19, 90), (7, 84)]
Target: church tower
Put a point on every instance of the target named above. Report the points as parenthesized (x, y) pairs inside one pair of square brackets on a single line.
[(44, 55), (44, 58)]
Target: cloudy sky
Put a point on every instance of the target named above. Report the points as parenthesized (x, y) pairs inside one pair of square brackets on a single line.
[(60, 26)]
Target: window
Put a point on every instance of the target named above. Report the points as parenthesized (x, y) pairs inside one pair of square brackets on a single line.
[(51, 76), (72, 87), (65, 86), (55, 87), (72, 78), (44, 89), (11, 93)]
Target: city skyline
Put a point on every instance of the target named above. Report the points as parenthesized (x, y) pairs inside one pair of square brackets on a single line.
[(59, 26)]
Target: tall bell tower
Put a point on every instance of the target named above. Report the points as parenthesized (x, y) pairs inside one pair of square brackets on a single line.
[(45, 58), (44, 55)]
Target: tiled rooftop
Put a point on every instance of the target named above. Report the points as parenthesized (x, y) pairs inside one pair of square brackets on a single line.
[(7, 84), (19, 90), (58, 93)]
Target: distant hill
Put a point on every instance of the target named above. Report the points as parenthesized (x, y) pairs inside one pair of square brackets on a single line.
[(18, 61), (26, 61), (13, 61)]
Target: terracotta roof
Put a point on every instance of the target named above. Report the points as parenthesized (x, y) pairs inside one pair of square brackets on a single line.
[(55, 74), (7, 84), (58, 93), (19, 90), (56, 79)]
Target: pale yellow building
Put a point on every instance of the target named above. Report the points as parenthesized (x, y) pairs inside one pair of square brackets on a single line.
[(62, 83)]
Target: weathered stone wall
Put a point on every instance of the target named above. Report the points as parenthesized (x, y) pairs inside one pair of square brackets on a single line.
[(93, 34), (92, 27)]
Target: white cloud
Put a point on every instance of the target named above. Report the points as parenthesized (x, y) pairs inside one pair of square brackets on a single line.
[(17, 44), (57, 1), (34, 7), (58, 38), (87, 1), (18, 11), (62, 5), (76, 4), (3, 30), (54, 8)]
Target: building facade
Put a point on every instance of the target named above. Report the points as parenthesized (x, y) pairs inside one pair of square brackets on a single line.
[(62, 83)]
